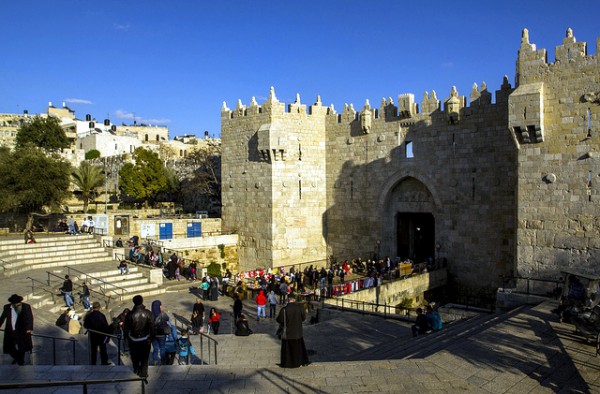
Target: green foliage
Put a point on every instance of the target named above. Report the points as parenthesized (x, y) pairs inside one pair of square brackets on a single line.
[(32, 180), (214, 269), (145, 179), (92, 154), (45, 133), (87, 178)]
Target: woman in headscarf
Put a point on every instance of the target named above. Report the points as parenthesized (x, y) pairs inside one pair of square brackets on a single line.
[(161, 328)]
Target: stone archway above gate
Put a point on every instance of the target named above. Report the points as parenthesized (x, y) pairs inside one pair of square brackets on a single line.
[(419, 193)]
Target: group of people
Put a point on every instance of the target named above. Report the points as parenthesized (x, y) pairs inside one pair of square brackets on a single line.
[(72, 227), (426, 323)]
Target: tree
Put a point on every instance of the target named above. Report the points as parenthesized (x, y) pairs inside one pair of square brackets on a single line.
[(87, 178), (144, 179), (32, 180), (45, 133), (201, 188), (92, 154)]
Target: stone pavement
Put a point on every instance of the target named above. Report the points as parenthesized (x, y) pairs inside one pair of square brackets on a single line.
[(526, 352)]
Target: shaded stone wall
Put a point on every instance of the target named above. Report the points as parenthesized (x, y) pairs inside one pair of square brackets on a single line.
[(559, 167)]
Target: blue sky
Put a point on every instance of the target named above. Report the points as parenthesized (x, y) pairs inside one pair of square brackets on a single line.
[(175, 62)]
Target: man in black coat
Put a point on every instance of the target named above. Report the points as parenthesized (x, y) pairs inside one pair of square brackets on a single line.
[(139, 330), (95, 320), (19, 326), (293, 350)]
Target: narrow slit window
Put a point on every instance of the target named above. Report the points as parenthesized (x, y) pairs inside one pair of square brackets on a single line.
[(300, 189), (408, 145), (589, 122)]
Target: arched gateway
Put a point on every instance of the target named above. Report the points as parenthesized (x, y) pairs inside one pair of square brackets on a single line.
[(409, 208)]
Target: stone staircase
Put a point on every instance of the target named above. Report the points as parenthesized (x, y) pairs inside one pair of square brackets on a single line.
[(32, 266), (51, 252)]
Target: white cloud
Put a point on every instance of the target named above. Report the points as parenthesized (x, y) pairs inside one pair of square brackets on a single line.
[(126, 115), (121, 114), (78, 101), (118, 26)]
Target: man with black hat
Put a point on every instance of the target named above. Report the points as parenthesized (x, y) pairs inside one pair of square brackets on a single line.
[(139, 331), (19, 325), (95, 320)]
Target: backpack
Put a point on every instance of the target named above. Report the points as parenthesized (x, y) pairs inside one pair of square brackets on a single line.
[(161, 326)]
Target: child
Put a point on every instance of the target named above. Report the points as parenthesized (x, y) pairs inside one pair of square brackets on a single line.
[(185, 348)]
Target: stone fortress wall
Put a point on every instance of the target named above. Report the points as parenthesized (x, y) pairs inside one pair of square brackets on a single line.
[(492, 187), (556, 119)]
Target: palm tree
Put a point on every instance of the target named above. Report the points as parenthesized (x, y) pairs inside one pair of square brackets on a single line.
[(87, 178)]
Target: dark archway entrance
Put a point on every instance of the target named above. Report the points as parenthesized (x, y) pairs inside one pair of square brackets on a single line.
[(416, 235)]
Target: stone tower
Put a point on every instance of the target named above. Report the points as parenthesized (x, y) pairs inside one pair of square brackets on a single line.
[(274, 181)]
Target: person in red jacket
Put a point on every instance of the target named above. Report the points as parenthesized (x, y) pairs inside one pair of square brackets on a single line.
[(261, 301), (214, 320)]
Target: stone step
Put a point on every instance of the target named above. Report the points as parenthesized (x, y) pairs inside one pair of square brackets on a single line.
[(14, 268), (70, 255), (451, 335), (81, 241), (66, 254), (46, 242)]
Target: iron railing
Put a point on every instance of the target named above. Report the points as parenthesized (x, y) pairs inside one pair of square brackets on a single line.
[(65, 383), (118, 339), (105, 286), (54, 339), (544, 287), (203, 338)]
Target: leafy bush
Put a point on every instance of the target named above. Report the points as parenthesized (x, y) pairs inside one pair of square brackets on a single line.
[(92, 154)]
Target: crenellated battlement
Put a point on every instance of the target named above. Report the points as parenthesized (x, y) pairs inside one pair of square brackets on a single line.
[(533, 63), (387, 110)]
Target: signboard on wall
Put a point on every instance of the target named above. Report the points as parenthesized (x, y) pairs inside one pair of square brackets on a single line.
[(147, 230)]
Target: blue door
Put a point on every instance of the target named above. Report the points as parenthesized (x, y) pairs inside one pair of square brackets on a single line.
[(165, 231), (194, 229)]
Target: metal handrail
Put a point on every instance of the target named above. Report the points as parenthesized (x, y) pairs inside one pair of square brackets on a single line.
[(84, 383), (118, 337), (209, 340), (104, 283), (54, 339), (557, 283), (3, 265), (371, 308), (43, 287)]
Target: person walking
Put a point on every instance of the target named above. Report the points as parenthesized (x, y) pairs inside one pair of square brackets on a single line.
[(19, 326), (238, 306), (95, 320), (85, 296), (67, 291), (272, 298), (214, 320), (139, 330), (261, 302), (293, 349), (197, 316), (160, 330)]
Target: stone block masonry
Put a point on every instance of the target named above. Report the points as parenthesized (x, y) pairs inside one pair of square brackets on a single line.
[(488, 186)]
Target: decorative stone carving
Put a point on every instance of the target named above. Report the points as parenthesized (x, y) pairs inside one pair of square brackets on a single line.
[(366, 118), (550, 178), (591, 97)]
